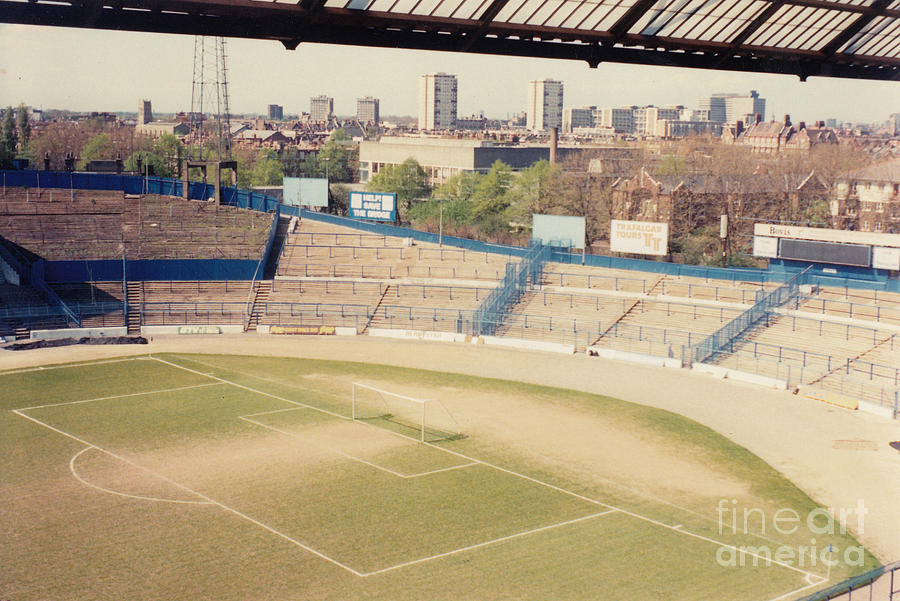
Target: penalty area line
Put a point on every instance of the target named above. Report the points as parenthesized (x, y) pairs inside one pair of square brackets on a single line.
[(337, 451), (680, 530), (248, 388)]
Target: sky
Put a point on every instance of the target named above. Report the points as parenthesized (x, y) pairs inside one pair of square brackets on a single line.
[(92, 70)]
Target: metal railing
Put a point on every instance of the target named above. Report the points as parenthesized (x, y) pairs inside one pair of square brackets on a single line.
[(513, 285), (882, 584), (765, 304), (849, 309)]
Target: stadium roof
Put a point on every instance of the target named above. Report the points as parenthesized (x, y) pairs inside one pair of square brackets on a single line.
[(848, 38)]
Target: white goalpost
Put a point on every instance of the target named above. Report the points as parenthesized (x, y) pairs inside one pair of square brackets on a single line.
[(425, 420)]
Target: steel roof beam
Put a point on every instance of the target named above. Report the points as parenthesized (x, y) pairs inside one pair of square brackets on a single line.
[(756, 23), (631, 16), (875, 10), (288, 23), (486, 19)]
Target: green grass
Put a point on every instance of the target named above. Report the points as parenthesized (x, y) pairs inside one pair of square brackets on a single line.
[(293, 501)]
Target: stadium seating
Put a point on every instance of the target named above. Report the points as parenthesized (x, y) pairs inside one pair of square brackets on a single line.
[(59, 225), (835, 338)]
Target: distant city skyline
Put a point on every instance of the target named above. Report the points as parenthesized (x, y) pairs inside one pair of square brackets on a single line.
[(86, 70)]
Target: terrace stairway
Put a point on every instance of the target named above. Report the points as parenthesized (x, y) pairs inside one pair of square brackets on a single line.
[(375, 310), (626, 312), (260, 298), (271, 266), (858, 357), (133, 302)]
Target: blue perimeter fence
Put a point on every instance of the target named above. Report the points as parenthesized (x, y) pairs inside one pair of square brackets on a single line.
[(134, 184), (492, 311)]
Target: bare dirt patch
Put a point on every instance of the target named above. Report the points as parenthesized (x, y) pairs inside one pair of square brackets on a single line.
[(587, 446)]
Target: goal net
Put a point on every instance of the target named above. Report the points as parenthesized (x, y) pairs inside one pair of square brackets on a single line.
[(426, 420)]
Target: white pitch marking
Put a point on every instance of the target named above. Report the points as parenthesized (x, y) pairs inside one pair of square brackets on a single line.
[(271, 412), (530, 479), (268, 394), (68, 365), (122, 494), (318, 391), (489, 542), (246, 418), (793, 593), (192, 491), (120, 396)]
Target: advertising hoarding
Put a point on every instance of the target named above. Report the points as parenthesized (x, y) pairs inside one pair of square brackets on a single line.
[(639, 237), (305, 191), (378, 206), (558, 230), (764, 246)]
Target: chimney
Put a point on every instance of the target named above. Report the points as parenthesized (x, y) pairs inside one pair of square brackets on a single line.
[(820, 124), (757, 118), (739, 127), (802, 125), (554, 144), (787, 120)]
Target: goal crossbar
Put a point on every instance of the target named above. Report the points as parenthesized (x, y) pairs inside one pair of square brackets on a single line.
[(428, 417)]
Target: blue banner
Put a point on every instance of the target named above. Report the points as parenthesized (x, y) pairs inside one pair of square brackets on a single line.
[(378, 206)]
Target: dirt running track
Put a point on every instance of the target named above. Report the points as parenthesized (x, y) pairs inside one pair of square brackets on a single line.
[(795, 435)]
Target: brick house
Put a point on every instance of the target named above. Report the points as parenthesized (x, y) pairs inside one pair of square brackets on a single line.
[(868, 199)]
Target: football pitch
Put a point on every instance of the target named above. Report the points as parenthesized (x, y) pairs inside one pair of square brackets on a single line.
[(227, 477)]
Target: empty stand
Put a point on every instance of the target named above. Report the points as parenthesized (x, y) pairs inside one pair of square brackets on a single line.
[(61, 225)]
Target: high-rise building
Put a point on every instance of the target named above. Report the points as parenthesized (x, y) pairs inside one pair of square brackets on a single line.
[(620, 119), (578, 117), (437, 101), (276, 112), (321, 108), (647, 119), (145, 112), (731, 108), (367, 110), (545, 104)]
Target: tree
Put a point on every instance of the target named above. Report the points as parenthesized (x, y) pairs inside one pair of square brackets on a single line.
[(461, 186), (407, 180), (338, 157), (171, 150), (536, 189), (24, 125), (156, 163), (490, 198), (9, 138), (267, 171), (98, 147)]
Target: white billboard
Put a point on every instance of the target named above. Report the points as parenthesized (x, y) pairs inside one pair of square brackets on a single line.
[(305, 191), (558, 230), (763, 246), (886, 258), (639, 237), (826, 235)]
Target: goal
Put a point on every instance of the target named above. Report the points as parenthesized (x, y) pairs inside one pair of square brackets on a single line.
[(425, 420)]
